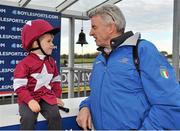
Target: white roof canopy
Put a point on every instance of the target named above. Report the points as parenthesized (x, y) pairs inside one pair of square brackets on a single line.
[(69, 8)]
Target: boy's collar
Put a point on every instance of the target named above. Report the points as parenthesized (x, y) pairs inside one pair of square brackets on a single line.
[(42, 57)]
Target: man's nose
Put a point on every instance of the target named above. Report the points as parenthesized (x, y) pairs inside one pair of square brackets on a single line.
[(91, 33)]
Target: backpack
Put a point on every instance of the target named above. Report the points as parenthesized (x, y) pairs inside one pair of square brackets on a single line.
[(135, 57)]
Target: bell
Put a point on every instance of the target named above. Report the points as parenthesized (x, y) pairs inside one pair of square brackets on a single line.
[(82, 38)]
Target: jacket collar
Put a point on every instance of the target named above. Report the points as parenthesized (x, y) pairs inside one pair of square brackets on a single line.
[(115, 42), (132, 40), (127, 38)]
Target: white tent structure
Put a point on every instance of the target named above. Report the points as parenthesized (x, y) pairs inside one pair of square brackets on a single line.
[(78, 9), (68, 8)]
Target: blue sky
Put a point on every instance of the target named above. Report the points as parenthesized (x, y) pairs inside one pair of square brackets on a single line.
[(152, 18)]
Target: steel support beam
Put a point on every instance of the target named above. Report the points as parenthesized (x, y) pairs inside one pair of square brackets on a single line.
[(23, 3), (71, 59), (63, 6), (75, 14), (176, 37)]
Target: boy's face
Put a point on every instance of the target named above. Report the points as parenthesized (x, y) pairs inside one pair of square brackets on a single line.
[(46, 42)]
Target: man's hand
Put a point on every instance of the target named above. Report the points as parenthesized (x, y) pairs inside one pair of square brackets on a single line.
[(34, 106), (84, 118)]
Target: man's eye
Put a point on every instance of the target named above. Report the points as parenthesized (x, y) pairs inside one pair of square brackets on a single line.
[(94, 27)]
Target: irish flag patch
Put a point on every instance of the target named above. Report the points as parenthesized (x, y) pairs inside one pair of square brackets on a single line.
[(164, 72)]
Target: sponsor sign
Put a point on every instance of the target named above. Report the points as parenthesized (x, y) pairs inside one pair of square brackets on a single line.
[(12, 20)]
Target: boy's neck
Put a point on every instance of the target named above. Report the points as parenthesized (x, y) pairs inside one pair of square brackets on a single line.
[(38, 52), (40, 55)]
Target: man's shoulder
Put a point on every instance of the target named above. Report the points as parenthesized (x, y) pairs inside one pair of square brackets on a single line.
[(143, 43), (146, 46)]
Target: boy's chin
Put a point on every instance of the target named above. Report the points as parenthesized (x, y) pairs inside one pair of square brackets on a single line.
[(49, 54)]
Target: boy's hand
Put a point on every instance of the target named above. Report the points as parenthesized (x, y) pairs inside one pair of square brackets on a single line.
[(34, 106), (60, 102)]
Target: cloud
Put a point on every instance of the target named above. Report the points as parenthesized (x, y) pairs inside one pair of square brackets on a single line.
[(153, 18), (148, 15)]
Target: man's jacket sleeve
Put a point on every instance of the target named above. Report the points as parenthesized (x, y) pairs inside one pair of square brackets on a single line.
[(161, 88), (85, 103)]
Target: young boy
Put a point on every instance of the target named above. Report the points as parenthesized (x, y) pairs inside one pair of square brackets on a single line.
[(36, 77)]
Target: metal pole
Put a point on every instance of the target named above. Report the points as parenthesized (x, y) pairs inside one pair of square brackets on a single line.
[(176, 37), (78, 84), (71, 59), (12, 98), (84, 82)]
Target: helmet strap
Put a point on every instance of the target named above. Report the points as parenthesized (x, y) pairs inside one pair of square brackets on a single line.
[(41, 48), (32, 49)]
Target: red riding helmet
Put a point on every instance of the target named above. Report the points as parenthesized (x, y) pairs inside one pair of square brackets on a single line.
[(32, 30)]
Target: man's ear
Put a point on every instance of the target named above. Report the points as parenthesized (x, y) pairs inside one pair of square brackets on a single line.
[(112, 28)]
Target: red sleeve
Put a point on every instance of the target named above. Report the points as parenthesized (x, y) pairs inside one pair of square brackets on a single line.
[(20, 82), (23, 94)]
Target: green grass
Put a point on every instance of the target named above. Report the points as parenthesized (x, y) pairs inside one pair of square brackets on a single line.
[(81, 60)]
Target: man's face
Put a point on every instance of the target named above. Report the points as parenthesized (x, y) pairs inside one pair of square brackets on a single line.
[(100, 30)]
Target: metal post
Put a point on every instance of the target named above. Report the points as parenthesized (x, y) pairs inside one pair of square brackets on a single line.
[(12, 98), (84, 82), (78, 84), (71, 59), (176, 37)]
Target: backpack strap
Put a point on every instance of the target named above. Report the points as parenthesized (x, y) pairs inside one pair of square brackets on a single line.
[(135, 56)]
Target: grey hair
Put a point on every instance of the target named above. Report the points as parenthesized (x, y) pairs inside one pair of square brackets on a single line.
[(110, 14)]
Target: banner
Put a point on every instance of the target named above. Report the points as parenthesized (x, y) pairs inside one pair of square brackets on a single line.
[(80, 78), (12, 20)]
